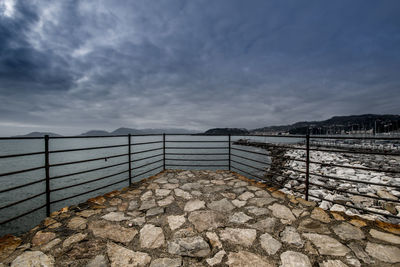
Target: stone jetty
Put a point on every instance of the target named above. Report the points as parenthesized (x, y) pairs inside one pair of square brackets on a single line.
[(202, 218)]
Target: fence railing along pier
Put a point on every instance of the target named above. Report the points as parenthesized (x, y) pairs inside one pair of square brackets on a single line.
[(182, 151)]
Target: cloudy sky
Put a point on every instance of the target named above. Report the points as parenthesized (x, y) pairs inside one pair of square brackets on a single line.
[(71, 66)]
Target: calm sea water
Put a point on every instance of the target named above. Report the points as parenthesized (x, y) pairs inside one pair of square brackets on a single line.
[(35, 145)]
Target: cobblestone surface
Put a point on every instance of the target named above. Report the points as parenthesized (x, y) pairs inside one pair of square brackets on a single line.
[(202, 218)]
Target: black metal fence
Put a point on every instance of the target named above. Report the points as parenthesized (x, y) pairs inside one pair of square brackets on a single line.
[(175, 152)]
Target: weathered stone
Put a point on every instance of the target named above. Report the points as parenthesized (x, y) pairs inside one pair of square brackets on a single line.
[(269, 244), (238, 203), (229, 195), (321, 215), (48, 221), (262, 193), (304, 202), (77, 223), (247, 259), (8, 244), (133, 205), (294, 259), (53, 226), (385, 236), (120, 256), (383, 252), (166, 262), (176, 221), (146, 196), (153, 186), (97, 200), (214, 240), (206, 220), (267, 225), (189, 246), (337, 216), (115, 201), (112, 231), (333, 263), (98, 261), (148, 204), (309, 248), (360, 253), (246, 196), (327, 245), (191, 186), (183, 194), (50, 245), (162, 192), (347, 231), (239, 217), (116, 217), (257, 211), (385, 194), (194, 205), (123, 206), (166, 201), (170, 186), (88, 213), (34, 259), (42, 238), (74, 239), (261, 201), (155, 211), (292, 237), (138, 221), (238, 236), (313, 226), (222, 205), (282, 212), (358, 223), (151, 236), (217, 258)]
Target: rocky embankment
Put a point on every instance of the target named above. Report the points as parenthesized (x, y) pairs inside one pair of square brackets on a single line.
[(201, 218), (326, 190)]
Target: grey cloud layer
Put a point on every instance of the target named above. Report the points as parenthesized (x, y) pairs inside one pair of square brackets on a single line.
[(195, 64)]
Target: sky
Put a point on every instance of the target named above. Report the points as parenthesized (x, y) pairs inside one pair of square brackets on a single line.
[(72, 66)]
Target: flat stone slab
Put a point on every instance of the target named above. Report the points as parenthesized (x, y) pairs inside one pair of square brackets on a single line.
[(202, 218)]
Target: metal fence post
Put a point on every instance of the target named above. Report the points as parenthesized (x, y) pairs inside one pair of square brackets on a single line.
[(164, 151), (307, 163), (229, 163), (47, 168), (130, 160)]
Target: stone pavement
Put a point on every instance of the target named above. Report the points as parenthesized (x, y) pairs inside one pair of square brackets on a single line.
[(202, 218)]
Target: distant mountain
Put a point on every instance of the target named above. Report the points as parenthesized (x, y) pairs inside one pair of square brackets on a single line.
[(339, 125), (124, 131), (39, 134), (95, 133), (223, 131)]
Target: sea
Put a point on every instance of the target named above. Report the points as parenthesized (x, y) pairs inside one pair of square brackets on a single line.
[(173, 161)]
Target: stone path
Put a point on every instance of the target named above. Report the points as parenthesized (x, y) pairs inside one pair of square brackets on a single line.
[(202, 218)]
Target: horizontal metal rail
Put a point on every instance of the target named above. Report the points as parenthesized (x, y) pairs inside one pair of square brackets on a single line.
[(258, 161), (146, 143), (21, 155), (21, 186), (343, 179), (355, 152), (146, 164), (197, 154), (22, 215), (21, 171), (87, 182), (22, 200), (199, 141), (140, 174), (250, 166), (85, 148), (253, 152), (87, 192), (176, 159), (192, 147), (86, 171), (88, 160), (144, 151), (136, 160), (353, 193), (250, 174), (355, 207), (195, 165), (345, 166)]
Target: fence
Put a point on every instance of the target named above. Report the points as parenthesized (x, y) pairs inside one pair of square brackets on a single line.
[(216, 152)]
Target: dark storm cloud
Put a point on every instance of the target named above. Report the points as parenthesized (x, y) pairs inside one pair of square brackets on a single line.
[(69, 65)]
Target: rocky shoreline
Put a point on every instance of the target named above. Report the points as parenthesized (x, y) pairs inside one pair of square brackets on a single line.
[(293, 182)]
